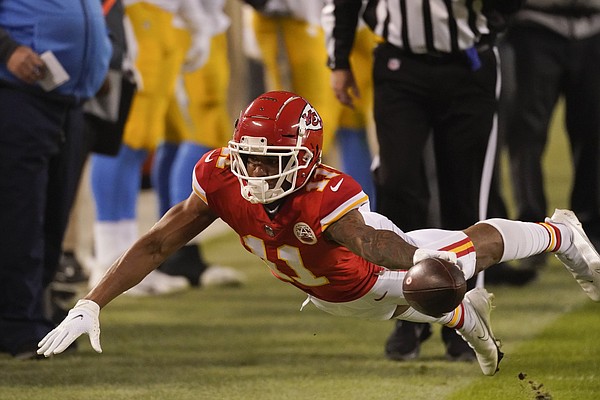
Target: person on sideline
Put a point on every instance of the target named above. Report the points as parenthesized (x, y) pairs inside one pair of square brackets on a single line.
[(554, 48), (116, 180), (198, 120), (435, 76), (41, 148)]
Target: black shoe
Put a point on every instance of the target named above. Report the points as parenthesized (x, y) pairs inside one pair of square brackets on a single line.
[(505, 274), (185, 262), (70, 271), (456, 348), (405, 341), (69, 281)]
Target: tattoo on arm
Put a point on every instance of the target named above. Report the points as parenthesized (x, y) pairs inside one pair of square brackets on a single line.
[(379, 246)]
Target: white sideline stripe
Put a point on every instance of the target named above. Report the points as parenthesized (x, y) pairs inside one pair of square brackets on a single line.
[(489, 164)]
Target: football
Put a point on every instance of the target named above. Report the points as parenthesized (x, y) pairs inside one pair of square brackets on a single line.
[(434, 286)]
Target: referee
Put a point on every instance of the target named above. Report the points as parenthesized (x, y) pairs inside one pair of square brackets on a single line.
[(435, 73)]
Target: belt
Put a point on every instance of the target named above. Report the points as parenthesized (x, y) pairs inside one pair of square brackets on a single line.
[(438, 57), (37, 91), (469, 56)]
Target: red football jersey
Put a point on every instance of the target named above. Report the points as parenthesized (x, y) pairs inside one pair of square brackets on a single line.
[(292, 243)]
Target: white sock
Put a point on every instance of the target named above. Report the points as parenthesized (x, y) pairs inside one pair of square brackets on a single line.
[(111, 239), (525, 239), (459, 318), (128, 233), (413, 315), (107, 243)]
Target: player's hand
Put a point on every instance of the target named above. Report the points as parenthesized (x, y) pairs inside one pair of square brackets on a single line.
[(344, 86), (421, 254), (83, 318), (26, 64), (468, 268), (198, 53)]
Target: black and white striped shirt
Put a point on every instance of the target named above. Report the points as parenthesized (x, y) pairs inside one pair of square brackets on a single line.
[(415, 26)]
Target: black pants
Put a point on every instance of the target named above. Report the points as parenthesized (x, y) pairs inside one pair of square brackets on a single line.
[(416, 97), (546, 66), (41, 157)]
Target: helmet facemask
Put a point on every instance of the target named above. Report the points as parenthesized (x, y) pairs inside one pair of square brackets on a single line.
[(267, 189)]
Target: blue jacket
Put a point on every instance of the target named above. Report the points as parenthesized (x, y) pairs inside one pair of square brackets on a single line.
[(74, 30)]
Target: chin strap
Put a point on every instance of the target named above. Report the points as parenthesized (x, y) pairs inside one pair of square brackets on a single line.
[(259, 192), (250, 191)]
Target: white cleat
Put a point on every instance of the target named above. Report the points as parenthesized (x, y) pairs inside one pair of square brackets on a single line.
[(478, 304), (581, 259), (158, 283)]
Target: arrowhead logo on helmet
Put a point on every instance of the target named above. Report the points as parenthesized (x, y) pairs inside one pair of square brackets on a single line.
[(312, 120)]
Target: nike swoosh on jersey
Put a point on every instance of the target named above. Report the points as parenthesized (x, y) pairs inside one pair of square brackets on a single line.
[(382, 297), (208, 159), (337, 186)]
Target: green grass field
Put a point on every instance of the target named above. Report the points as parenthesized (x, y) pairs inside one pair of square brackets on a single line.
[(254, 343)]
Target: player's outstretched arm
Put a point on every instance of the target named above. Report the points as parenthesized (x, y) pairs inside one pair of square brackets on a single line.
[(176, 228), (381, 247)]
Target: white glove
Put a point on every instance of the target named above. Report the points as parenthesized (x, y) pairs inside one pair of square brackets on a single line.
[(198, 53), (83, 318), (421, 254), (467, 270)]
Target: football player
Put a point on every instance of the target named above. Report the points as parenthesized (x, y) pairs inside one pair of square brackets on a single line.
[(312, 226)]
